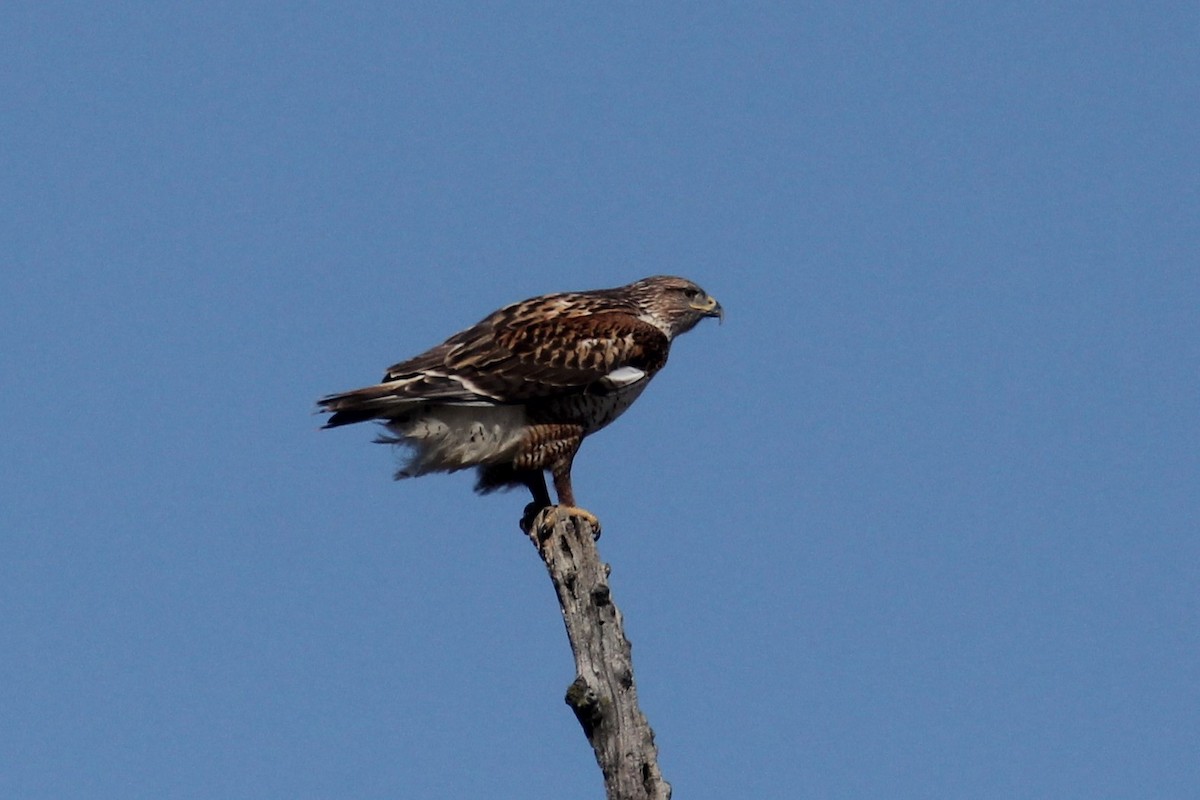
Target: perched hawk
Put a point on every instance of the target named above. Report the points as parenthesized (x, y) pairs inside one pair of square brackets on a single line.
[(517, 393)]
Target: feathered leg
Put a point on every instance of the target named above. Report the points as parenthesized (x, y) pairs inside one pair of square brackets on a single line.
[(536, 481), (503, 476), (560, 470), (553, 446)]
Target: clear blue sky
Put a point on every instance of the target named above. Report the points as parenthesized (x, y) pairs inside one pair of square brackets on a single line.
[(920, 520)]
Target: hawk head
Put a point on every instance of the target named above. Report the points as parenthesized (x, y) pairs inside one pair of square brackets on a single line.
[(673, 305)]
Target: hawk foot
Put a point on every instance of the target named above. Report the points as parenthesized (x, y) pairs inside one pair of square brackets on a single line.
[(555, 513)]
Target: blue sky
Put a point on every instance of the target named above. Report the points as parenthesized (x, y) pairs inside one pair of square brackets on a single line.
[(919, 520)]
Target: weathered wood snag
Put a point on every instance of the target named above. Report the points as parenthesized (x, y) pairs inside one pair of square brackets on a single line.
[(603, 694)]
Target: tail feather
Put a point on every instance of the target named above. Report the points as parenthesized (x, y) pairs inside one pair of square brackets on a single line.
[(396, 397), (360, 405)]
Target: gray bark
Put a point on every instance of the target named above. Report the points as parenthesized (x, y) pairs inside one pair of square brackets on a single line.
[(603, 694)]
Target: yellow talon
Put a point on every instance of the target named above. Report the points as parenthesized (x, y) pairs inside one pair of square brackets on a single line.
[(550, 515), (582, 513)]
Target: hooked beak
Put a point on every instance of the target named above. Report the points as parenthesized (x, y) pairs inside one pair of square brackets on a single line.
[(710, 308)]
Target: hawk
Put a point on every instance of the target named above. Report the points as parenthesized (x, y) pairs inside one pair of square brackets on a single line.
[(516, 394)]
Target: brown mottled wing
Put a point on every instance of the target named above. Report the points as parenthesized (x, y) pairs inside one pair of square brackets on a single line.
[(559, 355), (539, 348), (558, 343)]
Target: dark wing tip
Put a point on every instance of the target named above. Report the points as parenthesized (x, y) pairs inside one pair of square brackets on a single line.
[(347, 408), (341, 418)]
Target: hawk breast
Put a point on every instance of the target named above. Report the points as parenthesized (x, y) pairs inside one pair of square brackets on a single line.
[(592, 410)]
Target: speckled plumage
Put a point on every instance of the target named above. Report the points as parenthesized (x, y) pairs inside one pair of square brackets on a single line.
[(517, 393)]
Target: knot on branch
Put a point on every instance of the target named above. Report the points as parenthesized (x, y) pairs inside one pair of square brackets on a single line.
[(585, 702)]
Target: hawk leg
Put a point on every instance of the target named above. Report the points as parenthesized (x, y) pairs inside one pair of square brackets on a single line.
[(504, 476), (560, 470), (553, 446), (536, 482)]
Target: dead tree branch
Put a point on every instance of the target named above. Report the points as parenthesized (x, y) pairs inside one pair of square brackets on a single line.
[(603, 694)]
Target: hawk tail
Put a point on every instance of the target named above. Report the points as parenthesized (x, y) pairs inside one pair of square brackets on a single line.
[(359, 405)]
